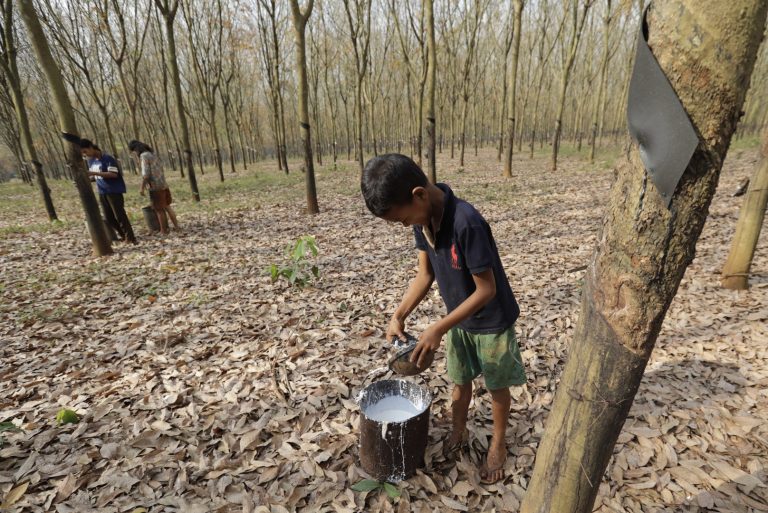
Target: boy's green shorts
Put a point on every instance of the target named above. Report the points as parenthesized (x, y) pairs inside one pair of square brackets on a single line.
[(494, 355)]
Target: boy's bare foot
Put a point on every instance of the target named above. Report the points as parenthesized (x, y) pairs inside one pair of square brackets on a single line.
[(492, 470), (455, 443)]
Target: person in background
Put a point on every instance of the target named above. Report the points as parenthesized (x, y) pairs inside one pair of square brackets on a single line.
[(109, 179), (153, 179)]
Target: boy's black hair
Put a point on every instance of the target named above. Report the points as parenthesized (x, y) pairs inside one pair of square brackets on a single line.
[(388, 181), (139, 147), (86, 143)]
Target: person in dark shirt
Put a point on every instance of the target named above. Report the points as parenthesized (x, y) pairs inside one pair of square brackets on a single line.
[(109, 179), (455, 247)]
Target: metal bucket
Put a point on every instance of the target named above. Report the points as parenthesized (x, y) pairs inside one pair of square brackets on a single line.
[(150, 217), (110, 231), (393, 450), (107, 229)]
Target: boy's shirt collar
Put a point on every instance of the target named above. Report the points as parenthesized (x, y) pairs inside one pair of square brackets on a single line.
[(449, 206)]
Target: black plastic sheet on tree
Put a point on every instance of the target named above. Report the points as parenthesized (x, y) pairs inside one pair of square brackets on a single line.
[(658, 122)]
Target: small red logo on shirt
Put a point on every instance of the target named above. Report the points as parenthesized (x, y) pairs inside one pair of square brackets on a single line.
[(455, 257)]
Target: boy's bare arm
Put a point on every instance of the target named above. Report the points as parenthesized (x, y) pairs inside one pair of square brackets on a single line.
[(103, 174), (413, 296), (485, 290)]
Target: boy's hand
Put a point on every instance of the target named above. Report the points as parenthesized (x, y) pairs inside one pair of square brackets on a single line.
[(429, 341), (396, 329)]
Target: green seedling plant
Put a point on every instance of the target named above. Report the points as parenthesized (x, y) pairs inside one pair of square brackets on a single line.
[(66, 416), (7, 426), (300, 270), (370, 485)]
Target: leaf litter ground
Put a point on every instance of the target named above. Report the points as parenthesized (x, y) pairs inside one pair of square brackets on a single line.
[(202, 386)]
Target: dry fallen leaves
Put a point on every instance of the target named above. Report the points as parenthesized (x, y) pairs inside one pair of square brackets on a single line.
[(202, 386)]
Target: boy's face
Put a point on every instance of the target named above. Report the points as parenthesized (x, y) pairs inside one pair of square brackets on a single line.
[(88, 152), (418, 211)]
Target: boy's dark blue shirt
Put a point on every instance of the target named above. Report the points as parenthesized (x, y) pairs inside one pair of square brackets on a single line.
[(104, 164), (465, 246)]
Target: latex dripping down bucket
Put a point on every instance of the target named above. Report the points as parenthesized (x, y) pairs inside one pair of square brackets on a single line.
[(392, 450)]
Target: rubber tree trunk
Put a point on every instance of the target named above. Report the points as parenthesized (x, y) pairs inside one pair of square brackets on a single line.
[(359, 121), (535, 116), (283, 136), (420, 118), (299, 25), (578, 26), (215, 139), (243, 150), (11, 70), (371, 111), (29, 148), (453, 126), (599, 111), (466, 73), (707, 50), (101, 243), (348, 131), (282, 153), (276, 123), (228, 133), (503, 115), (332, 104), (130, 104), (411, 115), (518, 7), (169, 15), (431, 74), (463, 137), (751, 216)]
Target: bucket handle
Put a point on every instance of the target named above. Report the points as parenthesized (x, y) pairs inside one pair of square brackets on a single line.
[(397, 344), (384, 370), (359, 395)]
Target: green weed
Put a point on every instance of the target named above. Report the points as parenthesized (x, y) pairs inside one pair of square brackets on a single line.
[(299, 270)]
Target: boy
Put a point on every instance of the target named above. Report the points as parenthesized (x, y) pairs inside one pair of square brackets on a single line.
[(153, 178), (111, 186), (456, 247)]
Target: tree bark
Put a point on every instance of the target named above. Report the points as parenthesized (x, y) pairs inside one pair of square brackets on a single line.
[(215, 137), (10, 68), (169, 15), (431, 74), (600, 105), (243, 150), (228, 134), (644, 249), (66, 115), (360, 36), (518, 8), (269, 68), (331, 98), (578, 26), (282, 155), (508, 39), (469, 60), (299, 24), (206, 42), (736, 270), (359, 122)]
